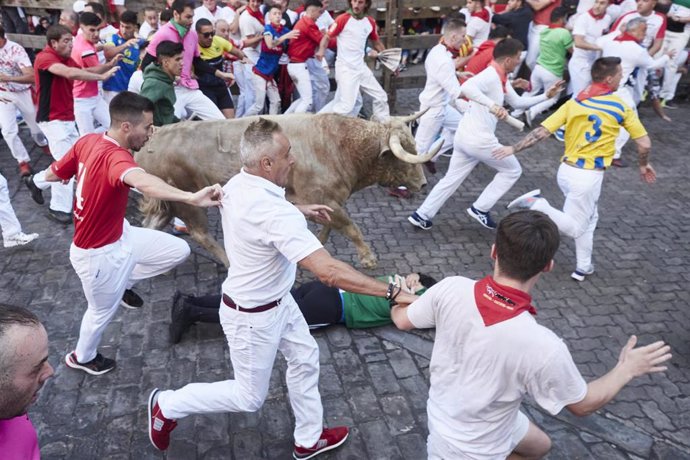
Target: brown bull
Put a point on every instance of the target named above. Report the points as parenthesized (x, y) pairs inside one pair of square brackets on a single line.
[(334, 157)]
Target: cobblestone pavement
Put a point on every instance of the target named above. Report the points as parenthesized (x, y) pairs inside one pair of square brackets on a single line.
[(376, 380)]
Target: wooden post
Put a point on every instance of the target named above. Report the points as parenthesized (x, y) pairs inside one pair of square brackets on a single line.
[(392, 30)]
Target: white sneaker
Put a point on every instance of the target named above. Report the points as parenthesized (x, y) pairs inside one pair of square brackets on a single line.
[(580, 274), (525, 201), (20, 239)]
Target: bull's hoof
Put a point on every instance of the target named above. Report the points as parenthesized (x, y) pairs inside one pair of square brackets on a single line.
[(369, 262)]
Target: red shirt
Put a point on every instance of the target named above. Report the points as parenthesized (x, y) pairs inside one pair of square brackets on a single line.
[(543, 16), (55, 100), (303, 47), (482, 58), (100, 202)]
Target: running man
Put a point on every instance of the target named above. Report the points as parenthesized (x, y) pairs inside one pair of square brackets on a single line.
[(592, 120)]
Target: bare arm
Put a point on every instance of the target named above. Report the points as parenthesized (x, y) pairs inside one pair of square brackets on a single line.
[(27, 76), (632, 362), (110, 50), (529, 140), (400, 318), (74, 73), (154, 187), (656, 46), (234, 26), (580, 42), (644, 146), (378, 45)]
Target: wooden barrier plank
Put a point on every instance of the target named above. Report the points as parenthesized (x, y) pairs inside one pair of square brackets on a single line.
[(29, 41)]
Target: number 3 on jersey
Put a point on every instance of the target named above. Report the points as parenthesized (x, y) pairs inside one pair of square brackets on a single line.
[(81, 175), (596, 126)]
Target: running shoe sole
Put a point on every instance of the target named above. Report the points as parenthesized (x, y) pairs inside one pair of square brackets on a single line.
[(532, 194), (152, 402), (76, 365)]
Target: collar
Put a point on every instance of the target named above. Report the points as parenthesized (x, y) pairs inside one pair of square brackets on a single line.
[(483, 15), (593, 90), (596, 16), (501, 74), (278, 28), (50, 50), (453, 51), (179, 28), (110, 139), (256, 15), (497, 303), (356, 16), (260, 182), (626, 37)]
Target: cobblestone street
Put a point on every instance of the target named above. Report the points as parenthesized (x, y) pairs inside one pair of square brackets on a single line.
[(376, 380)]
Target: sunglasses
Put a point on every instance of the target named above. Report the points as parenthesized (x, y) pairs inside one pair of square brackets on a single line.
[(207, 34)]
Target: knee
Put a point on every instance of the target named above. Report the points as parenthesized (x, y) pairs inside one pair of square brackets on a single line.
[(252, 400), (542, 446), (515, 172), (182, 250)]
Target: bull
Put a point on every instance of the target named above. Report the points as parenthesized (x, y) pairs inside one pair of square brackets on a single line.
[(335, 156)]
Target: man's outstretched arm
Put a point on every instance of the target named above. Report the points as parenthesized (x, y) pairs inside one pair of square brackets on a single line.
[(529, 140)]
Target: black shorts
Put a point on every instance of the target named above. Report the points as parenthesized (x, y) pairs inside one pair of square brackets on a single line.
[(219, 95)]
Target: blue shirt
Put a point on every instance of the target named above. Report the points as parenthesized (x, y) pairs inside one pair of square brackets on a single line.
[(128, 64), (267, 65)]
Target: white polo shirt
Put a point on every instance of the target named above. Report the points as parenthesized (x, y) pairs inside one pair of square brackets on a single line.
[(265, 236), (591, 29), (352, 35), (249, 25), (480, 374), (656, 26), (442, 86), (221, 12)]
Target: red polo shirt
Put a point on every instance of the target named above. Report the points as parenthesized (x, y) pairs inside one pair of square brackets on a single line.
[(55, 100), (303, 47)]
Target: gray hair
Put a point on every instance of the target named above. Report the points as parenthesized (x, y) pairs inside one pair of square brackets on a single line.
[(257, 141), (634, 23)]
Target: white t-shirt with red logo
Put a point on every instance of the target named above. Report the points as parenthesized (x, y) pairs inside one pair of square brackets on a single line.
[(352, 35), (656, 26), (12, 58)]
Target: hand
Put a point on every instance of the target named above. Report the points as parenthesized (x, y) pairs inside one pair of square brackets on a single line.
[(555, 89), (115, 60), (648, 174), (499, 111), (671, 53), (503, 152), (318, 212), (520, 83), (402, 282), (290, 35), (132, 42), (319, 56), (464, 75), (207, 196), (643, 360), (373, 54), (109, 73), (227, 76)]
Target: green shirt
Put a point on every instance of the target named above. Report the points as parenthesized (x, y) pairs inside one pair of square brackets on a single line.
[(553, 44), (367, 311)]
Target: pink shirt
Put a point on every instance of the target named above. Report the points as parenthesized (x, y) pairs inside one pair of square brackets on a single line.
[(18, 440), (84, 54), (190, 43)]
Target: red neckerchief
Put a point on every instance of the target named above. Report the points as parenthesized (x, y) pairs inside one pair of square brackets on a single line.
[(483, 15), (497, 303), (256, 15), (501, 74), (453, 51), (555, 26), (626, 37), (596, 16), (593, 90), (278, 28)]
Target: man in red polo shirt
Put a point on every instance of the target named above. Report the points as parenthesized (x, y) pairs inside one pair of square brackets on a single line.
[(300, 50), (54, 72), (107, 253)]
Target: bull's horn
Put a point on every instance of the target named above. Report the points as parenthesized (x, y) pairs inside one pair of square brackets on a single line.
[(407, 157), (413, 117)]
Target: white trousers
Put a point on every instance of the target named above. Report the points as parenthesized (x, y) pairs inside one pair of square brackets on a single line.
[(254, 339), (88, 109), (580, 215), (437, 121), (540, 80), (10, 102), (350, 83), (625, 93), (109, 95), (246, 97), (580, 75), (462, 162), (301, 77), (9, 224), (61, 137), (676, 41), (533, 42), (193, 102), (320, 83), (262, 88), (106, 272)]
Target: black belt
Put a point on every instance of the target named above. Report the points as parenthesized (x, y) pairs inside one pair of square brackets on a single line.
[(231, 303)]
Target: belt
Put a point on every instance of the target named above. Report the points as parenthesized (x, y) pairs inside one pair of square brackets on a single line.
[(231, 303), (575, 165)]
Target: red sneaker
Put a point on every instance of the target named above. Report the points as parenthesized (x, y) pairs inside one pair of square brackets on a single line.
[(330, 439), (159, 426)]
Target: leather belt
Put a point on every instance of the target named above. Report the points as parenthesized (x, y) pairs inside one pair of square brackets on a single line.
[(231, 303)]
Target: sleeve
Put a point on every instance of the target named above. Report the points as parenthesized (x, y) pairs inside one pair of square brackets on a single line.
[(120, 165), (422, 312), (558, 382), (338, 25), (473, 26), (580, 26), (503, 18), (448, 80), (632, 124), (568, 41), (153, 44), (522, 102), (268, 31), (22, 59), (557, 119), (68, 166), (661, 33), (226, 45), (618, 25), (374, 35), (474, 89), (314, 33), (289, 234)]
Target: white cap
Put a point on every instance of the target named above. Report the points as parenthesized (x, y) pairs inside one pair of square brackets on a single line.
[(79, 6)]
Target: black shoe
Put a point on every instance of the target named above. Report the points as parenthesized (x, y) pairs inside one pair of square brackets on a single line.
[(131, 300), (36, 193), (179, 318), (97, 366), (64, 218)]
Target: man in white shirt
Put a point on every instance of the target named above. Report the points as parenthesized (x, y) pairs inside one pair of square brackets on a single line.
[(475, 138), (251, 30), (318, 68), (211, 11), (676, 39), (588, 28), (479, 23), (352, 75), (266, 237), (489, 352), (150, 24)]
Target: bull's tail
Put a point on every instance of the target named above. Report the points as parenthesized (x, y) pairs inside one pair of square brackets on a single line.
[(157, 213)]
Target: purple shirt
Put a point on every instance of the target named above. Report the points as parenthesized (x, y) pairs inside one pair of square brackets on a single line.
[(190, 42), (18, 440)]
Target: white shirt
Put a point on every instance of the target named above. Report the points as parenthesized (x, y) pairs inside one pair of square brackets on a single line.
[(222, 12), (324, 21), (442, 86), (265, 236), (479, 29), (12, 58), (352, 35), (478, 125), (656, 25), (633, 56), (480, 374), (106, 32), (145, 30), (249, 25), (591, 29)]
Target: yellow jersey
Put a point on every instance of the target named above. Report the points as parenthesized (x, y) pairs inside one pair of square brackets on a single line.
[(218, 47), (591, 129)]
